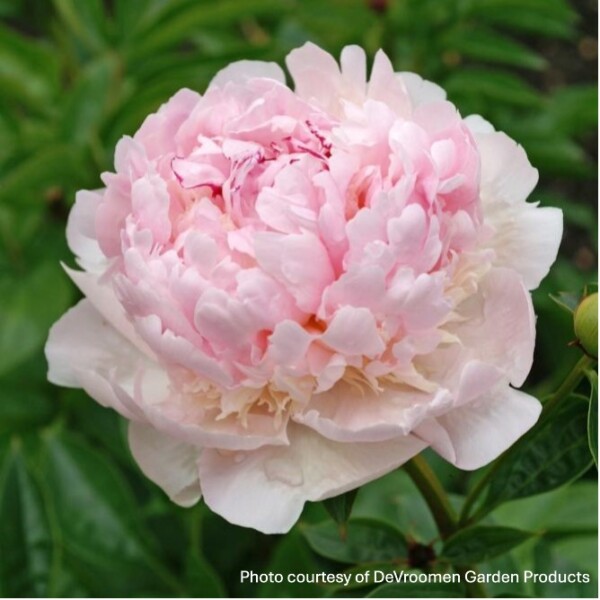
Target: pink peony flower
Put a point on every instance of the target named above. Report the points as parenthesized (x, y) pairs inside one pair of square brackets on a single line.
[(289, 293)]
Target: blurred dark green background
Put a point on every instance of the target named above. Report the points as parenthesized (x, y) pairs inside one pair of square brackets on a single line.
[(76, 516)]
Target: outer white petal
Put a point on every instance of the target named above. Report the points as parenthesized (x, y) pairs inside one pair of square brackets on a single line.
[(496, 326), (171, 464), (506, 173), (266, 489), (347, 414), (81, 231), (84, 350), (526, 237), (103, 298), (473, 435), (243, 70)]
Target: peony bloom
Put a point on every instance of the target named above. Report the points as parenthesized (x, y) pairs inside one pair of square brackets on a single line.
[(289, 293)]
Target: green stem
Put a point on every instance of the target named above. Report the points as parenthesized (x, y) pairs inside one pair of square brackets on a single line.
[(433, 492), (443, 513), (474, 495), (570, 383)]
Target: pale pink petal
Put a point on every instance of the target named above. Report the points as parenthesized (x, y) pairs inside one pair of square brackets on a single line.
[(104, 300), (150, 205), (171, 464), (84, 350), (474, 435), (347, 413), (81, 231), (185, 418), (420, 90), (506, 173), (500, 325), (175, 349), (289, 343), (387, 87), (241, 71), (300, 262), (354, 331), (316, 74), (266, 489), (353, 62)]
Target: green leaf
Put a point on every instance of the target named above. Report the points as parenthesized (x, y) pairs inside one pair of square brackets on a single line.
[(30, 179), (26, 547), (487, 45), (558, 155), (395, 500), (592, 423), (292, 555), (552, 18), (27, 310), (478, 544), (554, 453), (418, 590), (569, 556), (28, 71), (127, 15), (340, 507), (106, 548), (492, 86), (364, 540), (23, 407), (201, 579), (366, 581), (568, 301), (177, 25), (89, 101), (570, 510), (573, 110), (85, 20)]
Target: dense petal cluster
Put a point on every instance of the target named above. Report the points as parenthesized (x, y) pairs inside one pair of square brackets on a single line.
[(291, 292)]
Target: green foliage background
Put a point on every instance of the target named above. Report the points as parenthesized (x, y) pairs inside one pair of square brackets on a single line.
[(76, 516)]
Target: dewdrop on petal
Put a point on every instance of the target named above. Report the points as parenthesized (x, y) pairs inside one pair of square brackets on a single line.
[(323, 280)]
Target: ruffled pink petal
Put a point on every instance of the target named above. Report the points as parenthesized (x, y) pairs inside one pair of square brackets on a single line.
[(266, 489), (353, 331), (300, 262), (289, 343)]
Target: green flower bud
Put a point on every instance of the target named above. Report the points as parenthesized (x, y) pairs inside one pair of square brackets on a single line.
[(586, 324)]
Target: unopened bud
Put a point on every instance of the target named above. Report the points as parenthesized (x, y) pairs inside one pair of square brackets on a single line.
[(586, 324)]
